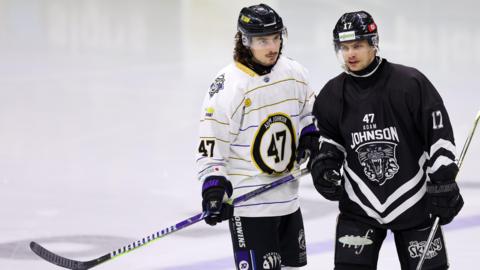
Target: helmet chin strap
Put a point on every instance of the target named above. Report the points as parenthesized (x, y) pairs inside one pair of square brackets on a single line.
[(349, 72), (365, 75)]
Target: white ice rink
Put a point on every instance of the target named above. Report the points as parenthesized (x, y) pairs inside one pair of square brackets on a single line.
[(99, 107)]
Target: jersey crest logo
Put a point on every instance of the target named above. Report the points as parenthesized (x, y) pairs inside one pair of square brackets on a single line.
[(378, 160), (273, 147), (217, 85)]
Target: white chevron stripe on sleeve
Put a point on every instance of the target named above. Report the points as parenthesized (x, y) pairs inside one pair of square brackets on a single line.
[(442, 143), (439, 162), (339, 146)]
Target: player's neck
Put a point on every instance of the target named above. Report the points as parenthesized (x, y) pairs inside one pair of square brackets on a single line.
[(369, 70), (259, 68), (370, 74)]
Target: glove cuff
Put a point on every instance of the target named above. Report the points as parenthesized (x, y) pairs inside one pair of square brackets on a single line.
[(325, 162), (217, 181), (434, 188), (329, 156)]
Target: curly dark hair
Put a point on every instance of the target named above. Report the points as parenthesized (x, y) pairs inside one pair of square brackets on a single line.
[(241, 53)]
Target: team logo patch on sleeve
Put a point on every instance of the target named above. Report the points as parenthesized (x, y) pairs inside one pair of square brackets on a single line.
[(217, 85), (209, 112)]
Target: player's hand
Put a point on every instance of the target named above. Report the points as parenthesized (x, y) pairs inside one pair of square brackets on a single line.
[(308, 148), (327, 180), (325, 170), (444, 200), (214, 190)]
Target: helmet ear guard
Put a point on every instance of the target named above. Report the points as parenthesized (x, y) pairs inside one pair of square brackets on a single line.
[(246, 41)]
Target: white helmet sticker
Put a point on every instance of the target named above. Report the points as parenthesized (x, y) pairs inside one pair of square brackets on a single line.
[(346, 36)]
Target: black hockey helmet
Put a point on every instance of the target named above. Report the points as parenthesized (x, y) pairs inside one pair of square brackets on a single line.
[(358, 25), (259, 20)]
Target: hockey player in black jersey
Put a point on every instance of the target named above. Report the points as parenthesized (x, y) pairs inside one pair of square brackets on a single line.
[(387, 153)]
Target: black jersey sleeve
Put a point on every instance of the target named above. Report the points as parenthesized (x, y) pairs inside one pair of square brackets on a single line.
[(435, 128), (327, 110)]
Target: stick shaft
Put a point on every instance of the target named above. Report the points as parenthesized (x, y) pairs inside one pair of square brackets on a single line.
[(459, 164), (83, 265)]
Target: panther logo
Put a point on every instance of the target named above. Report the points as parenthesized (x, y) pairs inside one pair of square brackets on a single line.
[(378, 161)]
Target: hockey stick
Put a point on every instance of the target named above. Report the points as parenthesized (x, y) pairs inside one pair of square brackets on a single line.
[(83, 265), (437, 219)]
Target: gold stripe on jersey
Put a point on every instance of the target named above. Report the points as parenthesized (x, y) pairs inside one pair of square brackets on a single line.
[(273, 83), (263, 86), (245, 69), (215, 120), (302, 82), (215, 138), (309, 97), (306, 99), (240, 174), (273, 104), (239, 105)]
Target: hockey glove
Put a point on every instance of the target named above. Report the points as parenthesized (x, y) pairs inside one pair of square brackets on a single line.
[(308, 147), (444, 200), (325, 170), (213, 190)]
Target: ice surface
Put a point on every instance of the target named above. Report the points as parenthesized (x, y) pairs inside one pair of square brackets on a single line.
[(99, 104)]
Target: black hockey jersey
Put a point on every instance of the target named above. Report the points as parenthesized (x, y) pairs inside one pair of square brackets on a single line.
[(396, 134)]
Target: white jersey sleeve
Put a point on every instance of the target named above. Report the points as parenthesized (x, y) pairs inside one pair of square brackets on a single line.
[(219, 124), (306, 117)]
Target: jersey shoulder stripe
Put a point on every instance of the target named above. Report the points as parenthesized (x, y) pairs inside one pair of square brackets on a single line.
[(245, 69)]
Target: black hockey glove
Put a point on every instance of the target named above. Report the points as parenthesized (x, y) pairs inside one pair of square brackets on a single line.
[(308, 147), (325, 170), (444, 200), (213, 190)]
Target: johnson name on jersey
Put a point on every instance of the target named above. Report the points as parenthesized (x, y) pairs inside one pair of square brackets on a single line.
[(396, 134), (249, 129)]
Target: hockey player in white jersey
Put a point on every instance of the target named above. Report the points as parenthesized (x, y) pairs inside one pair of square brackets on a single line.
[(255, 121)]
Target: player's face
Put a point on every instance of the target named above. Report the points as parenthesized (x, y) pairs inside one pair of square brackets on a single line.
[(357, 54), (265, 49)]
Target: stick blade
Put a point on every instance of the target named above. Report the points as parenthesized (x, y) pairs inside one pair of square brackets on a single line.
[(56, 259)]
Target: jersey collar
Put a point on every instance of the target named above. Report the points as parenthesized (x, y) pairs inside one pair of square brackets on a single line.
[(246, 69)]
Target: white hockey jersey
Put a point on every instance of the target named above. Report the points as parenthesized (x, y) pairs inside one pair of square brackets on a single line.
[(249, 128)]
